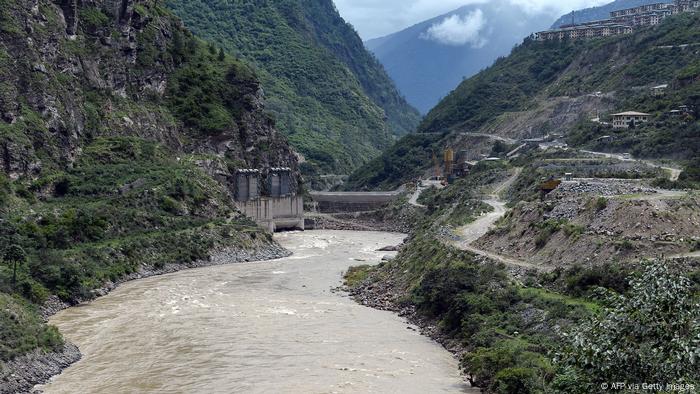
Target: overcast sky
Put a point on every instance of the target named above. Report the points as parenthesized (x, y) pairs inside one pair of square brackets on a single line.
[(376, 18)]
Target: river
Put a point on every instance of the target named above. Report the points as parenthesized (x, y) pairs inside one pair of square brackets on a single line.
[(265, 327)]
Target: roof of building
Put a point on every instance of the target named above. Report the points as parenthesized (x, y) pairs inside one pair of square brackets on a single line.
[(632, 113), (664, 86)]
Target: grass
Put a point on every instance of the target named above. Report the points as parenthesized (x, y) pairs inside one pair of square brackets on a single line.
[(547, 296), (357, 275)]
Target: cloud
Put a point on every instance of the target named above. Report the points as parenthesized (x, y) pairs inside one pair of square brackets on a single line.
[(374, 18), (459, 30)]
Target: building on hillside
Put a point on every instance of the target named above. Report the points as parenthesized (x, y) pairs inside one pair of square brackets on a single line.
[(621, 21), (639, 10), (660, 90), (584, 31), (685, 6), (625, 120)]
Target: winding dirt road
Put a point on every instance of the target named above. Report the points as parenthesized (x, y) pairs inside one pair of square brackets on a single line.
[(478, 228)]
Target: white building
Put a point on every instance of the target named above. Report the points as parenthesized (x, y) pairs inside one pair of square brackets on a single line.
[(625, 120)]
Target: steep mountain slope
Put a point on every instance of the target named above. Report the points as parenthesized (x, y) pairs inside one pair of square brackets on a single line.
[(119, 135), (329, 95), (548, 87), (429, 59), (602, 12)]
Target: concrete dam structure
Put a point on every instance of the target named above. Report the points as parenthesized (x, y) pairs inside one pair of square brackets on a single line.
[(339, 202), (274, 204)]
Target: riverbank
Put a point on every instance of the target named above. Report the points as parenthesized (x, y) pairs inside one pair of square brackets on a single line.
[(389, 295), (221, 329), (22, 374)]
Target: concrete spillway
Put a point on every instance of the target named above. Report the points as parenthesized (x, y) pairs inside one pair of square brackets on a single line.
[(275, 214)]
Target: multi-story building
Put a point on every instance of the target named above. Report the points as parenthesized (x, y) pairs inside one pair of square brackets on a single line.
[(625, 120), (621, 21), (639, 10), (584, 31), (685, 6)]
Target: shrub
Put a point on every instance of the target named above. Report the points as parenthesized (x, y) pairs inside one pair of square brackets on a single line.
[(5, 190), (22, 330), (601, 203), (515, 381), (652, 334)]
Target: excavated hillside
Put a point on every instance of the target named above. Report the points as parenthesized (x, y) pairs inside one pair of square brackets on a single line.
[(585, 229), (552, 87)]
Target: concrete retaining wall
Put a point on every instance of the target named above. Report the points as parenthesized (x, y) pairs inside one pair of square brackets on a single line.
[(275, 214)]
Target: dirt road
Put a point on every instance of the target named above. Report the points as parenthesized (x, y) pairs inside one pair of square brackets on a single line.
[(478, 228), (674, 173)]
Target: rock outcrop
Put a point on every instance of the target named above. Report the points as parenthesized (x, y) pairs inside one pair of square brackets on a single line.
[(73, 70)]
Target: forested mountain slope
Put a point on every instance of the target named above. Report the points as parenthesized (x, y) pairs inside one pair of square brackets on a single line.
[(119, 135), (328, 94), (537, 74), (427, 66)]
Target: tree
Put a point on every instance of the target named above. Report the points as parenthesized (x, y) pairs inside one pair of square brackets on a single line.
[(15, 255), (222, 55), (651, 334)]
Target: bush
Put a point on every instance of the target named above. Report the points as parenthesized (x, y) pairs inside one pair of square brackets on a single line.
[(579, 281), (22, 330), (652, 334), (601, 203), (508, 366), (515, 381), (5, 190)]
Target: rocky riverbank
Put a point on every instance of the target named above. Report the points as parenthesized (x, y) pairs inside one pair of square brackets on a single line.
[(225, 256), (386, 294), (23, 373)]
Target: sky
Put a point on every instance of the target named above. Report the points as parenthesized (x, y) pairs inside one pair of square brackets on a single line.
[(377, 18)]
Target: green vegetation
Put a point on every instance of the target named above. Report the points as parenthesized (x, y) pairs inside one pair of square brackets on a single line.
[(542, 70), (22, 329), (651, 334), (207, 93), (356, 275), (554, 332), (508, 329), (327, 93), (110, 183), (402, 162), (125, 203)]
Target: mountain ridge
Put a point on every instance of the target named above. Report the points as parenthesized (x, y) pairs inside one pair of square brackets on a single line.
[(329, 95), (426, 69), (552, 87)]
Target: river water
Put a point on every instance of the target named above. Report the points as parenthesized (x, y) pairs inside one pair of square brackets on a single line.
[(266, 327)]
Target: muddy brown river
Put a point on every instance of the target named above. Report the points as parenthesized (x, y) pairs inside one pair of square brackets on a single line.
[(266, 327)]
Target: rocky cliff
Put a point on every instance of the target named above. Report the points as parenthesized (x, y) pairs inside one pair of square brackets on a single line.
[(333, 100), (119, 135), (74, 71)]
